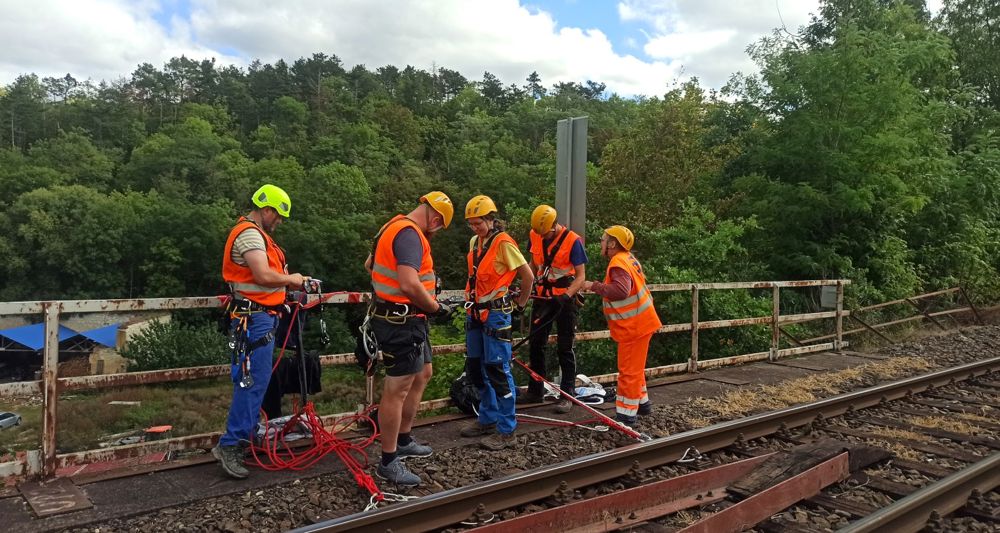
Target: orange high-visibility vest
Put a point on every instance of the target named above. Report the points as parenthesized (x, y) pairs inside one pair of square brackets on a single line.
[(240, 277), (489, 284), (634, 316), (561, 265), (385, 277)]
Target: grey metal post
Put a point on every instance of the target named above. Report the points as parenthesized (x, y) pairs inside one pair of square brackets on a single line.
[(571, 173), (693, 362), (50, 385), (775, 315)]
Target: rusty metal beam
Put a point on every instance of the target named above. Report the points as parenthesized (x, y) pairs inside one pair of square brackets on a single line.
[(903, 300), (965, 295), (620, 510), (684, 287), (695, 328), (926, 314), (762, 505)]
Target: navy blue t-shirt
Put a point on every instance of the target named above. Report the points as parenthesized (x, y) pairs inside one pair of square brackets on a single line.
[(407, 248)]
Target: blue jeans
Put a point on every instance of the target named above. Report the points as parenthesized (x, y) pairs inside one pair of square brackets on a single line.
[(244, 412), (487, 365)]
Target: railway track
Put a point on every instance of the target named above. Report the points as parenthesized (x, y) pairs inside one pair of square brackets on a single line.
[(556, 483)]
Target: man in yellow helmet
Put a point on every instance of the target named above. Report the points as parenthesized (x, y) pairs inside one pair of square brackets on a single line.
[(403, 283), (254, 267), (494, 261), (632, 320), (560, 271)]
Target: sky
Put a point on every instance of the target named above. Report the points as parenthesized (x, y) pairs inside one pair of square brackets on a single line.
[(636, 47)]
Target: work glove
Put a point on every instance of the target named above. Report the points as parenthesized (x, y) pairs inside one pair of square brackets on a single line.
[(443, 313), (563, 299)]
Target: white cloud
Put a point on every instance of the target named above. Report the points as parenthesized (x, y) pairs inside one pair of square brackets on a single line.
[(709, 38), (500, 36), (101, 39), (107, 39)]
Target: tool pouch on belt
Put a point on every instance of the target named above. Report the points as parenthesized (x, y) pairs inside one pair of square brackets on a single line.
[(400, 341)]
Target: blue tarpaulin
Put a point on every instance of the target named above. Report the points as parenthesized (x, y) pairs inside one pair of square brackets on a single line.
[(106, 335), (33, 335)]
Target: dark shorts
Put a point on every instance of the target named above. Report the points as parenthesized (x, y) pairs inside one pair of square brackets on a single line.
[(406, 347)]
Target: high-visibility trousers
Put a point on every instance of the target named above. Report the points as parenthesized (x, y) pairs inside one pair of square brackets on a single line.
[(632, 375)]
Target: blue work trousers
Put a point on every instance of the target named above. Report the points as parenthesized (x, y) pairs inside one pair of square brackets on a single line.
[(244, 412), (487, 365)]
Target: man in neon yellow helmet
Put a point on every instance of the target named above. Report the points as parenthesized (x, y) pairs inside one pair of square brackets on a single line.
[(254, 267)]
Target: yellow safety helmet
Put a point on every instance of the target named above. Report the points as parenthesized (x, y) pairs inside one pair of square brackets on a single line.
[(624, 236), (440, 202), (273, 196), (479, 206), (543, 218)]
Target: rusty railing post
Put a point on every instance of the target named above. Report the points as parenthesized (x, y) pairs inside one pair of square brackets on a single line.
[(961, 290), (50, 387), (693, 362), (838, 344), (775, 315)]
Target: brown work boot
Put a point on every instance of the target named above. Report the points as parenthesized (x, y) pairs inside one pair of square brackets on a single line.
[(528, 397), (498, 441), (564, 406), (476, 429)]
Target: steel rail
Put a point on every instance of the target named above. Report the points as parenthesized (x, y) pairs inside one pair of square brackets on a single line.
[(452, 506), (944, 496)]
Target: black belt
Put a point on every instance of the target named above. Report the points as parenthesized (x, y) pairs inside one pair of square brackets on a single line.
[(244, 306), (392, 310), (561, 283), (499, 303)]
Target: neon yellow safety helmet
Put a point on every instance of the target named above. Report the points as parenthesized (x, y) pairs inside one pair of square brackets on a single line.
[(543, 218), (479, 206), (440, 202), (624, 236), (273, 196)]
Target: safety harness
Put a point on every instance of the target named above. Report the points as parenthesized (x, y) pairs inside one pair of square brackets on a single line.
[(549, 255), (240, 345)]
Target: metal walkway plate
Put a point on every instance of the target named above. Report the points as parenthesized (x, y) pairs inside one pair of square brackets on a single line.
[(54, 497)]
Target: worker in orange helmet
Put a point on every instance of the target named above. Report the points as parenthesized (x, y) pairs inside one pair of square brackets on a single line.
[(404, 283), (494, 261), (560, 264), (632, 319)]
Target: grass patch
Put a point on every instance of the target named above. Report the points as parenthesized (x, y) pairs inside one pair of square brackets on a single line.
[(946, 424), (739, 403), (893, 433)]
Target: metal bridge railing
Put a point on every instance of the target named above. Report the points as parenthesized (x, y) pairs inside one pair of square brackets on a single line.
[(46, 460)]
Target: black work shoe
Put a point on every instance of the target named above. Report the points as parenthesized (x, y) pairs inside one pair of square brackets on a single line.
[(528, 397), (645, 409), (625, 419), (231, 460), (498, 441), (476, 429)]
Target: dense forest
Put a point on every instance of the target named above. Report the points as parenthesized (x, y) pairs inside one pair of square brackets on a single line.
[(866, 147)]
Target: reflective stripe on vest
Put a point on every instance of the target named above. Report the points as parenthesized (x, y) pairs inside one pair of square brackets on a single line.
[(240, 277), (562, 266), (489, 284), (634, 316), (385, 276)]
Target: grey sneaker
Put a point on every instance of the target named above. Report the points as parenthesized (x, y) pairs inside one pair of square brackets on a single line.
[(476, 429), (231, 459), (498, 441), (564, 406), (397, 473), (414, 449)]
